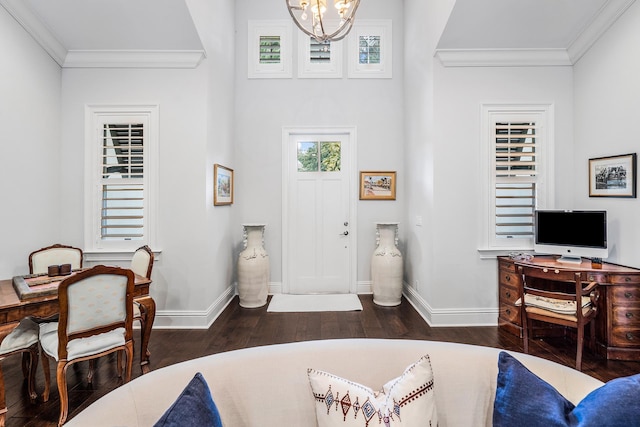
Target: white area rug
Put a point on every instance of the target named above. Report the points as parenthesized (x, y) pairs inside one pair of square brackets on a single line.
[(283, 303)]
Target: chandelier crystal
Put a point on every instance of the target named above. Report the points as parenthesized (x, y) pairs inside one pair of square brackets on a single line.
[(313, 18)]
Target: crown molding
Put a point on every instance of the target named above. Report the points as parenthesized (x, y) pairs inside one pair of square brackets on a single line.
[(133, 58), (97, 58), (32, 24), (604, 19), (502, 57), (601, 22)]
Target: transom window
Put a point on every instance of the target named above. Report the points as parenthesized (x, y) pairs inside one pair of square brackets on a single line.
[(318, 156)]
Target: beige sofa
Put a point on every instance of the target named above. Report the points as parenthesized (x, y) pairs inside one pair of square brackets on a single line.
[(268, 386)]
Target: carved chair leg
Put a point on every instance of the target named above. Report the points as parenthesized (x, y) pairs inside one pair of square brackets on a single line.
[(580, 347), (129, 366), (525, 332), (47, 375), (119, 364), (31, 376), (61, 378)]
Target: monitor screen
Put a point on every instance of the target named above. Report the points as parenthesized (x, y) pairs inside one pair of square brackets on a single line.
[(571, 233)]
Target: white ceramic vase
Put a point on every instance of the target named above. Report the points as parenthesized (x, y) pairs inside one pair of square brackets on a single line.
[(386, 266), (253, 268)]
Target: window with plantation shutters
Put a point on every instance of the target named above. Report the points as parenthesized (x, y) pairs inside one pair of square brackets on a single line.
[(516, 142), (122, 186), (119, 168), (515, 171)]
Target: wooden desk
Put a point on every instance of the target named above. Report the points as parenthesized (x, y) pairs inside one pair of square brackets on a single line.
[(13, 309), (618, 319)]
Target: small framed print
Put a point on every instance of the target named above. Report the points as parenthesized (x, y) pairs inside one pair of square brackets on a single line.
[(376, 185), (370, 49), (613, 176), (222, 185), (269, 49), (319, 59)]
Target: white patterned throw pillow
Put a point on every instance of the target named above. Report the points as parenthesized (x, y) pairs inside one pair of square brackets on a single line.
[(408, 400)]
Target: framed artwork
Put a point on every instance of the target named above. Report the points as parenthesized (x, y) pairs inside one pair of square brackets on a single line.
[(613, 176), (269, 50), (319, 59), (376, 185), (222, 185), (370, 45)]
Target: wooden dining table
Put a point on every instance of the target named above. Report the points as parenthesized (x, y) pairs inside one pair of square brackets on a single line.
[(13, 309)]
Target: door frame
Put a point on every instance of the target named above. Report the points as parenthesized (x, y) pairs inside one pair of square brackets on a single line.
[(350, 132)]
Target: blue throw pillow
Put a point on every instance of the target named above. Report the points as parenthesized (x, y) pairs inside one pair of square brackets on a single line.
[(194, 407), (523, 398)]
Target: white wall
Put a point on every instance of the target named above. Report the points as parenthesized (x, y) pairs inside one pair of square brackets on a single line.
[(607, 102), (264, 106), (447, 280), (29, 164), (192, 278)]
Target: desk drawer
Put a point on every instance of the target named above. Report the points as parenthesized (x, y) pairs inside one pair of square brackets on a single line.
[(625, 337), (510, 313), (620, 279), (622, 295), (626, 316), (507, 265), (508, 295), (508, 278)]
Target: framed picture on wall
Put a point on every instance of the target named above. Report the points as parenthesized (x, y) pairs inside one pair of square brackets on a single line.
[(376, 185), (222, 185), (613, 176)]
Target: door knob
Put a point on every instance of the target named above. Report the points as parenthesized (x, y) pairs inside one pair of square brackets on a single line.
[(346, 233)]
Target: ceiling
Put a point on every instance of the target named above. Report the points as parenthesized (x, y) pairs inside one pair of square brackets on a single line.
[(86, 33)]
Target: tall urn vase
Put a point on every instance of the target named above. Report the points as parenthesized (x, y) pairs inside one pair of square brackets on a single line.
[(386, 266), (253, 268)]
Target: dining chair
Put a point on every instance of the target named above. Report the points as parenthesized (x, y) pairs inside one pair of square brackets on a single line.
[(142, 265), (96, 314), (57, 254), (21, 339), (569, 301)]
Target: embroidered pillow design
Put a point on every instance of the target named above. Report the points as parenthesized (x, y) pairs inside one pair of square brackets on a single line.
[(408, 400)]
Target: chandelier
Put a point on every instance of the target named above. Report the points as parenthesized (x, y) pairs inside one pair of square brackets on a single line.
[(309, 16)]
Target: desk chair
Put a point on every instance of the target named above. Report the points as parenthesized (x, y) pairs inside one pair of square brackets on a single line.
[(57, 254), (95, 319), (574, 306), (21, 339)]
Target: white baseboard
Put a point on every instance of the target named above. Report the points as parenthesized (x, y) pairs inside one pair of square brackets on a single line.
[(193, 319), (450, 316)]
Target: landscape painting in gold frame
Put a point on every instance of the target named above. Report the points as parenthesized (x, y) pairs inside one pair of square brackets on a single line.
[(377, 185), (222, 185)]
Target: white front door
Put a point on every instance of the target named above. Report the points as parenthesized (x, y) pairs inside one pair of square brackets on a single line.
[(318, 249)]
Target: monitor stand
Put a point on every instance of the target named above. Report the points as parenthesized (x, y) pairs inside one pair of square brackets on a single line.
[(570, 259)]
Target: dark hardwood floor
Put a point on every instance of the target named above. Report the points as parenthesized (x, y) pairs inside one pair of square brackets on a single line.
[(238, 328)]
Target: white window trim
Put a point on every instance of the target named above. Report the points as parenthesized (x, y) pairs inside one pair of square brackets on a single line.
[(92, 241), (545, 187), (371, 27), (281, 70)]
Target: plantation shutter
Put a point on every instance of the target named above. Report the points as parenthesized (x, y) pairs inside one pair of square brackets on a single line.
[(515, 178), (122, 181)]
